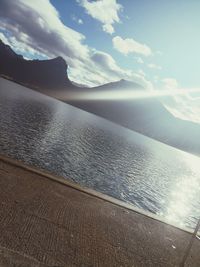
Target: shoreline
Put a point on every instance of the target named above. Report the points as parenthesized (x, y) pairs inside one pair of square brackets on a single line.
[(46, 222), (92, 192)]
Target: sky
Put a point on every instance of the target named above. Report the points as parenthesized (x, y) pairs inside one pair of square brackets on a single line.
[(155, 43)]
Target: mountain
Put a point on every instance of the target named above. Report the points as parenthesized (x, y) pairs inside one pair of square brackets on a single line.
[(146, 116), (119, 85), (39, 74)]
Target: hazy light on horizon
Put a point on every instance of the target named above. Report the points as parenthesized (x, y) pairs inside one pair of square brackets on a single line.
[(111, 95)]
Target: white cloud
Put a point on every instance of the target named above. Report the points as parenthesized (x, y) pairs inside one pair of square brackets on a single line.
[(141, 72), (43, 33), (140, 60), (154, 66), (108, 28), (21, 47), (80, 21), (127, 46), (170, 83), (184, 108), (105, 69), (181, 105), (43, 29), (159, 53), (4, 39), (105, 11), (156, 78), (77, 20)]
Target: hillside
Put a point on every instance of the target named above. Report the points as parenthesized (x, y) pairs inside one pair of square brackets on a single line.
[(38, 74), (146, 116)]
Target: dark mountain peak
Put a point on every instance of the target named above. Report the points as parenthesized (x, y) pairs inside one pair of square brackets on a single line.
[(61, 61), (57, 61), (39, 74), (121, 85), (124, 81), (2, 45), (6, 49), (130, 84), (147, 116)]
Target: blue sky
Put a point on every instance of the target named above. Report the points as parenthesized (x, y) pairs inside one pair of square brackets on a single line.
[(169, 27), (155, 43)]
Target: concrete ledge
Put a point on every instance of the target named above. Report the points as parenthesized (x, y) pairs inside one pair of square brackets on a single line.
[(91, 192), (46, 221)]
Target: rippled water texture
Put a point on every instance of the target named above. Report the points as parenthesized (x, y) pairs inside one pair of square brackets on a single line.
[(98, 154)]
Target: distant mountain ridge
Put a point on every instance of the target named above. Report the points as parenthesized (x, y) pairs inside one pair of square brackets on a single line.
[(41, 74), (119, 85), (146, 116)]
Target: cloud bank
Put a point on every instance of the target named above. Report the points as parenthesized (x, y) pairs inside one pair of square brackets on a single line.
[(105, 11), (129, 45), (35, 27), (154, 66)]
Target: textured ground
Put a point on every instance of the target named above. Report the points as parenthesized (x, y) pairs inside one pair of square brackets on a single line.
[(46, 223)]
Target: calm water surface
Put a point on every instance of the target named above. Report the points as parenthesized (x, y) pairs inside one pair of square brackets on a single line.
[(98, 154)]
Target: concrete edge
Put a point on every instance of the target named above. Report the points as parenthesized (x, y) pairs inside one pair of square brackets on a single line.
[(91, 192)]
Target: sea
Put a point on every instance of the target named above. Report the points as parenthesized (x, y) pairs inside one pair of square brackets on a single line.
[(98, 154)]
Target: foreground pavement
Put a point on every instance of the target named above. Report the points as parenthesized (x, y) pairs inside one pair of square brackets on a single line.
[(44, 222)]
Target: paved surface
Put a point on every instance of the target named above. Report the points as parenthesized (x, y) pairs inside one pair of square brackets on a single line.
[(46, 223)]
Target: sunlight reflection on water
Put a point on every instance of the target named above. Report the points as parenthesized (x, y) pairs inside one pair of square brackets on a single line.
[(100, 155), (184, 193)]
